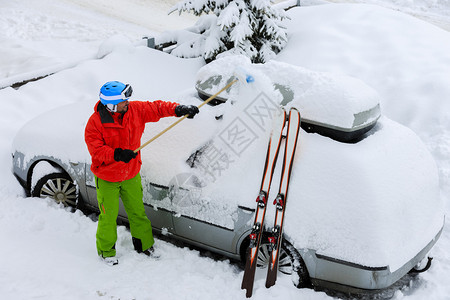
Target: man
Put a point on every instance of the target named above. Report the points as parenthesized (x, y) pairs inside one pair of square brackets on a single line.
[(112, 133)]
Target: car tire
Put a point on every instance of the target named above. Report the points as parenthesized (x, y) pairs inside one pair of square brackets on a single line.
[(59, 187), (290, 262)]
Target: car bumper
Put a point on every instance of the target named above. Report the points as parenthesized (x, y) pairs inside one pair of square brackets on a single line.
[(334, 274)]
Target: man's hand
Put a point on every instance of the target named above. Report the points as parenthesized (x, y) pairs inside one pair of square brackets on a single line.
[(124, 155), (190, 110)]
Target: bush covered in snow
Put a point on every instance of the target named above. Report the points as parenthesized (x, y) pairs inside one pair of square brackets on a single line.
[(249, 27)]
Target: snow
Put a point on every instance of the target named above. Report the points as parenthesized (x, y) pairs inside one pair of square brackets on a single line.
[(322, 97), (345, 230), (49, 252)]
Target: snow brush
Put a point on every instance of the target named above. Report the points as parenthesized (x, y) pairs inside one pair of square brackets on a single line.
[(239, 76)]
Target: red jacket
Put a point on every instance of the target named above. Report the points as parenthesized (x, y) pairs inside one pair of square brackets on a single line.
[(104, 133)]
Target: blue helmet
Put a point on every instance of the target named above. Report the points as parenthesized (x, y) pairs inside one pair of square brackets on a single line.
[(114, 92)]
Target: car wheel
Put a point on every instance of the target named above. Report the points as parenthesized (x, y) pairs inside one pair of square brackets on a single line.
[(290, 262), (59, 187)]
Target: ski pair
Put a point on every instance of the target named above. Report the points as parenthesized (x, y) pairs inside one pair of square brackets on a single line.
[(280, 200)]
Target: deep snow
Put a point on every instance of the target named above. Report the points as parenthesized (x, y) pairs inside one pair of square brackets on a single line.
[(50, 253)]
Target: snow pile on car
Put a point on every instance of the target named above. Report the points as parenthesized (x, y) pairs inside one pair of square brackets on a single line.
[(339, 101)]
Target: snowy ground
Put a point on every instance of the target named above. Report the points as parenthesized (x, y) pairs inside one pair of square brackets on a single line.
[(436, 11), (49, 253)]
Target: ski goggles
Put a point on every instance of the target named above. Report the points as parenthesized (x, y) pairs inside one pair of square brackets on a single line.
[(127, 92)]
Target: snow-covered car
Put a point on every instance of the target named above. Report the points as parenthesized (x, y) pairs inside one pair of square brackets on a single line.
[(360, 214), (340, 107)]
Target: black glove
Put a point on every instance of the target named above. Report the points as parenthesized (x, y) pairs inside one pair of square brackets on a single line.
[(124, 155), (190, 110)]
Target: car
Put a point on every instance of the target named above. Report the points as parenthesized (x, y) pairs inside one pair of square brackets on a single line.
[(356, 107), (357, 195)]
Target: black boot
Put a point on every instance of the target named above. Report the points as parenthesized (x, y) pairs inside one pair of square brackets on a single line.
[(137, 243), (150, 252)]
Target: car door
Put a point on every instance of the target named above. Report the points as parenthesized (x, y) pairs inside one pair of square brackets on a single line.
[(201, 219), (158, 207)]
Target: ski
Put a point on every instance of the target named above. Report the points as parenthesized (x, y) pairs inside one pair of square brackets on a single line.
[(280, 200), (257, 229)]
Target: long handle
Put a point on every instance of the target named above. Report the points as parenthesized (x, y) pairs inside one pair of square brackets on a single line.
[(185, 116)]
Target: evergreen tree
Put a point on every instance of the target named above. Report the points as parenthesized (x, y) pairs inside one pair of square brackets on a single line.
[(249, 27)]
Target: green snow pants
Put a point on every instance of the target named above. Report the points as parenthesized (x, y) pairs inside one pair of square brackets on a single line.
[(130, 191)]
